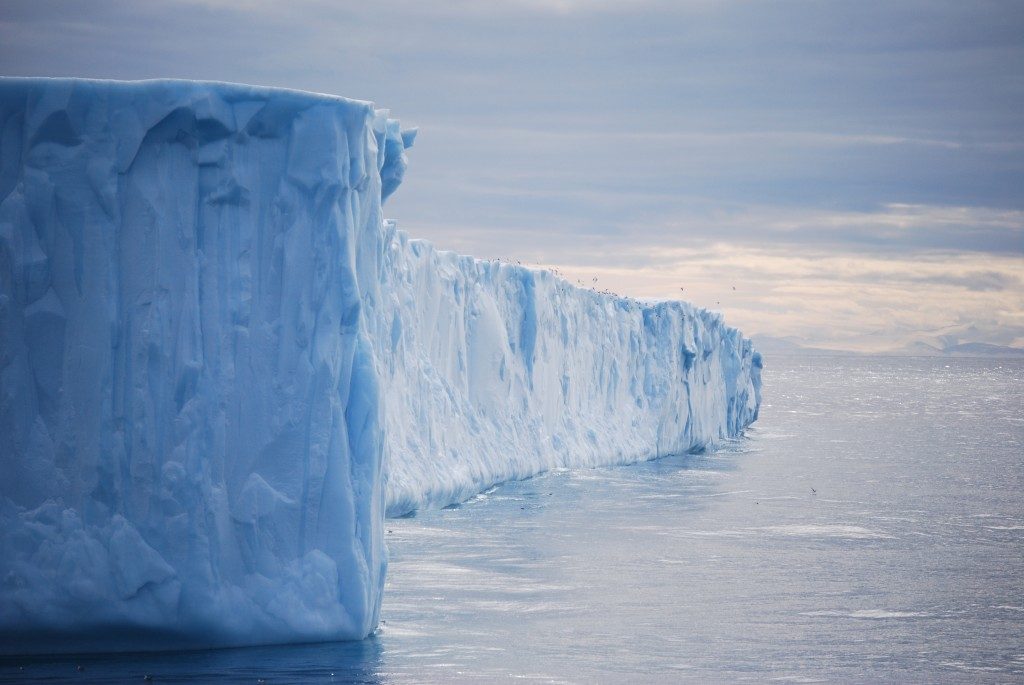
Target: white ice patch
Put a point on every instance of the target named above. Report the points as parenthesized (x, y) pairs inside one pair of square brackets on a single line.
[(868, 614), (826, 531)]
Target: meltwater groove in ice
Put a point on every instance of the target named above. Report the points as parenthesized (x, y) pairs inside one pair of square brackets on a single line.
[(219, 367)]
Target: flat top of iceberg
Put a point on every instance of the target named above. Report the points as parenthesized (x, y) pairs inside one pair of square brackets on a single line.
[(225, 88), (551, 272)]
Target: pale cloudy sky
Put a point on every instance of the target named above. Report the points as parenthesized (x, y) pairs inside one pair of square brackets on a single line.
[(854, 169)]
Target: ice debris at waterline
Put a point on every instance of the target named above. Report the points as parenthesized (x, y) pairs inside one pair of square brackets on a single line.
[(220, 366)]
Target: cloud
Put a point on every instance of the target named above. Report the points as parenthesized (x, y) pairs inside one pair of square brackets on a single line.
[(828, 298), (855, 169), (976, 281), (895, 230), (822, 295)]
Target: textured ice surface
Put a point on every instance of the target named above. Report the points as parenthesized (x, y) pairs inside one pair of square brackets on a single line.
[(218, 366), (494, 371), (190, 423)]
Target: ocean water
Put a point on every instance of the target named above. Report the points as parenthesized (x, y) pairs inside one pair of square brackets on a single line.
[(869, 527)]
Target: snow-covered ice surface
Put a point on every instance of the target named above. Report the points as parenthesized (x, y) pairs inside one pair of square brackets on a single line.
[(219, 366)]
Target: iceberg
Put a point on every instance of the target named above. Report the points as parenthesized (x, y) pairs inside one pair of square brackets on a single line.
[(494, 371), (221, 367)]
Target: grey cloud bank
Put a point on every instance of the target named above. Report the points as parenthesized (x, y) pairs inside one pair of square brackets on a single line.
[(630, 141)]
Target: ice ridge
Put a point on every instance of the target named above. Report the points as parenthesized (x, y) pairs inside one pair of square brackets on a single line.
[(220, 367)]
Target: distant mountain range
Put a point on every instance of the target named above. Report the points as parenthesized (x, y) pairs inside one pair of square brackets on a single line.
[(769, 345), (970, 349)]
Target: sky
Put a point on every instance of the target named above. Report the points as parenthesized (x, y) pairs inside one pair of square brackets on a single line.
[(843, 174)]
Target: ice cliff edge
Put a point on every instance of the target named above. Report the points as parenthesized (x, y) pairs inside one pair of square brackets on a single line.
[(219, 367)]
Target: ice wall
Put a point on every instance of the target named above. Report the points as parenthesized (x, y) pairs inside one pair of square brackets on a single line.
[(219, 366), (190, 430), (494, 371)]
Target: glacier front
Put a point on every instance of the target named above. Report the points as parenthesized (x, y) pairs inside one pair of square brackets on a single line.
[(220, 367), (494, 372)]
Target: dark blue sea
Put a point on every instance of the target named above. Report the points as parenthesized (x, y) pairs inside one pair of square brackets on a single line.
[(869, 527)]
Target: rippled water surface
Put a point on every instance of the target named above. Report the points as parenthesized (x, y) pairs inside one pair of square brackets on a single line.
[(870, 527)]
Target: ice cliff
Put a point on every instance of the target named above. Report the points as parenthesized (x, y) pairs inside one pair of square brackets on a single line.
[(494, 371), (219, 367)]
